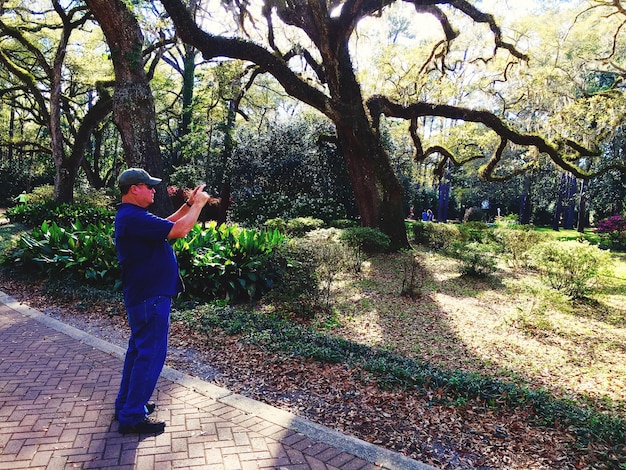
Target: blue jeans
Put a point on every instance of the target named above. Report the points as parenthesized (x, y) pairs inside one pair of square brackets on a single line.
[(147, 347)]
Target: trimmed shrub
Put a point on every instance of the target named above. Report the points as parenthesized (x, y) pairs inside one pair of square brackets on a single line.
[(294, 280), (419, 232), (477, 259), (476, 231), (366, 239), (516, 242), (438, 236), (276, 224), (343, 223), (301, 225), (443, 236), (571, 267)]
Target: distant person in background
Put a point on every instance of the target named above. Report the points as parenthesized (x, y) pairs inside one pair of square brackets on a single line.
[(424, 216), (150, 278)]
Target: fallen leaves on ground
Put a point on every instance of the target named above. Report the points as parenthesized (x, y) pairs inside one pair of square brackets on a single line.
[(343, 398)]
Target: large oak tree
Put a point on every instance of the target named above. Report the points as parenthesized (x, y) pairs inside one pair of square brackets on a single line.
[(334, 90)]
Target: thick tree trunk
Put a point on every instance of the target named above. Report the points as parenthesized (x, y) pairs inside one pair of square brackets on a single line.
[(65, 170), (572, 187), (377, 190), (133, 103)]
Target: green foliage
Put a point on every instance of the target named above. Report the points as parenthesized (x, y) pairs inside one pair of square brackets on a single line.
[(572, 267), (219, 262), (276, 224), (437, 236), (366, 239), (64, 215), (476, 231), (343, 223), (331, 256), (287, 172), (301, 225), (9, 237), (227, 261), (363, 241), (89, 207), (414, 274), (80, 252), (16, 177), (516, 243), (295, 282), (82, 195), (255, 209), (419, 232), (477, 259)]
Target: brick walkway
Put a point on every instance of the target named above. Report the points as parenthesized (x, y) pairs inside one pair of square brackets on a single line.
[(58, 385)]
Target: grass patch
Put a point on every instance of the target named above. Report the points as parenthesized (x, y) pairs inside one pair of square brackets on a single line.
[(392, 371), (569, 235), (9, 234)]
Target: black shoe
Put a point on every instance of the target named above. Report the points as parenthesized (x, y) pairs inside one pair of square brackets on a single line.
[(147, 426), (150, 406)]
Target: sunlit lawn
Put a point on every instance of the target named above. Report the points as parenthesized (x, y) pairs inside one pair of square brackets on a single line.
[(509, 325)]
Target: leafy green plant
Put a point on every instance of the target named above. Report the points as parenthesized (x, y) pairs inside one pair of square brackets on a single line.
[(64, 215), (475, 231), (438, 236), (331, 256), (81, 252), (414, 274), (301, 225), (366, 239), (572, 267), (276, 224), (418, 231), (516, 243), (343, 223), (294, 283), (477, 259), (227, 261)]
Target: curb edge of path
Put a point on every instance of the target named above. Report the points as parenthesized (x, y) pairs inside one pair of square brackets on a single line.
[(369, 452)]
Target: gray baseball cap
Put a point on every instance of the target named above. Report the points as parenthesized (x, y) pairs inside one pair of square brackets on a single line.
[(136, 176)]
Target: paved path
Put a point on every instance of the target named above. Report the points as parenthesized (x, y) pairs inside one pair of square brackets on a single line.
[(58, 385)]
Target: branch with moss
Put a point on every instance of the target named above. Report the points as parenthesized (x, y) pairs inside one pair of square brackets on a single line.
[(564, 152)]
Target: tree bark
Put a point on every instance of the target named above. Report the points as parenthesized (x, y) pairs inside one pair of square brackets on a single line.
[(133, 103)]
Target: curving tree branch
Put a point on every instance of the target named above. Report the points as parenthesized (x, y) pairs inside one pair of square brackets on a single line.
[(564, 152)]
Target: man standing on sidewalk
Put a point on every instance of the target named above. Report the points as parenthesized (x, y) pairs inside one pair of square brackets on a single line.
[(150, 279)]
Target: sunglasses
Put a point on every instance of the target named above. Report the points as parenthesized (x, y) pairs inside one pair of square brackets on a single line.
[(149, 186)]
